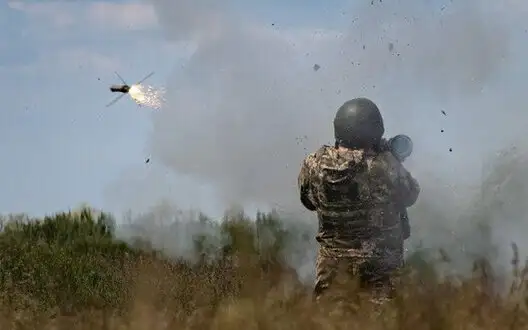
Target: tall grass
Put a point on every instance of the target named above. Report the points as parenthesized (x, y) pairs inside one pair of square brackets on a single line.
[(69, 271)]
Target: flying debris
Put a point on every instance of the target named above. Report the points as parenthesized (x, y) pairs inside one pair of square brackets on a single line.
[(142, 95)]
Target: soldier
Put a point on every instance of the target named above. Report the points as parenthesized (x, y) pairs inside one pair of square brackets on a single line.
[(357, 189)]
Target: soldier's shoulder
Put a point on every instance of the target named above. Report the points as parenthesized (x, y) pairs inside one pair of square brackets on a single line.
[(325, 150), (390, 163), (321, 152), (318, 155)]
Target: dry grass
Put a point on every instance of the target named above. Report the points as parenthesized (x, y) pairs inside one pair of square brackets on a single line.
[(70, 273)]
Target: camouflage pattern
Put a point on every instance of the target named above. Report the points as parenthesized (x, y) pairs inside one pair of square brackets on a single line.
[(374, 268), (358, 196)]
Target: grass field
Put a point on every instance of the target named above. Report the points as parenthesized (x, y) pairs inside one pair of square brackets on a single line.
[(68, 271)]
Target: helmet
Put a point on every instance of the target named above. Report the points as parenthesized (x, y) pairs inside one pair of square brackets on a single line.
[(358, 123)]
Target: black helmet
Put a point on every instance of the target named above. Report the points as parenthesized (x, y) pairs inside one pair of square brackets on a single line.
[(358, 124)]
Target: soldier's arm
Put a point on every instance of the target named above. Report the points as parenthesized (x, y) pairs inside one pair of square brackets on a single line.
[(408, 187), (304, 183)]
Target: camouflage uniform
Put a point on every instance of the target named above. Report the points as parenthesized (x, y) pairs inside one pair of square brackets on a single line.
[(357, 194)]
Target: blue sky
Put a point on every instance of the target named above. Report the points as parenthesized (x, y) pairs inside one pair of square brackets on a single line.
[(60, 146)]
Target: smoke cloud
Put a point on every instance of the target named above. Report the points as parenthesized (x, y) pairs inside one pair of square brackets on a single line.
[(248, 105)]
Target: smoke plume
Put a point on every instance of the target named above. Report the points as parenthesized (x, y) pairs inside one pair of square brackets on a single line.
[(248, 105)]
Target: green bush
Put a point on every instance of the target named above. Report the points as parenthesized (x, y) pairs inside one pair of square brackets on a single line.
[(69, 260)]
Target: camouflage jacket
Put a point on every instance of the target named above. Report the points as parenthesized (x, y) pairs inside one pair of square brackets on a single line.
[(357, 195)]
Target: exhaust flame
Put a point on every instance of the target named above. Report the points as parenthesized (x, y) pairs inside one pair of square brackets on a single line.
[(147, 96)]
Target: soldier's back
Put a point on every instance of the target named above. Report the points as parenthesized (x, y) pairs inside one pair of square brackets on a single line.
[(355, 196), (359, 226)]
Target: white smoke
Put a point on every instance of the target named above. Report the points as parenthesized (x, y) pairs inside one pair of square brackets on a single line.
[(247, 106)]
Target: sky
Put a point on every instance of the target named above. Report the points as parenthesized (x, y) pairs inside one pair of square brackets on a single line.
[(60, 146), (244, 105)]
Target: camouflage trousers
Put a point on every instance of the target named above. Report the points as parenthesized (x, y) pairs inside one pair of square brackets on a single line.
[(372, 268)]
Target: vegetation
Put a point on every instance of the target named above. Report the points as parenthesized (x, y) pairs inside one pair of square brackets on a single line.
[(69, 271)]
